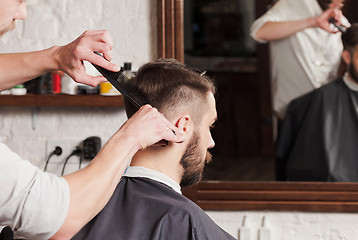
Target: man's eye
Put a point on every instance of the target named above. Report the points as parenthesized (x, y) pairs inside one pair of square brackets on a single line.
[(212, 127)]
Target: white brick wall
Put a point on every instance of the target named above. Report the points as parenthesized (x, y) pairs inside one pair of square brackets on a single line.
[(132, 24)]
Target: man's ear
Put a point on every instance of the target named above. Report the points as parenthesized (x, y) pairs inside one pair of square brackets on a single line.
[(346, 56), (186, 124)]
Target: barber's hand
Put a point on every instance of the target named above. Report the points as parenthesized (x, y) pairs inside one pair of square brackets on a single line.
[(72, 55), (148, 127), (322, 21)]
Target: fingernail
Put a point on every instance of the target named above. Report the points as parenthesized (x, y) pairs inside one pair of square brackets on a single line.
[(116, 68)]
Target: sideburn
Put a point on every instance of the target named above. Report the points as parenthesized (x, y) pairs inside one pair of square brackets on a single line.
[(191, 163), (353, 72)]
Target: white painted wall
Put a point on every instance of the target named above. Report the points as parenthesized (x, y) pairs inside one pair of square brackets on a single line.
[(292, 225), (132, 24)]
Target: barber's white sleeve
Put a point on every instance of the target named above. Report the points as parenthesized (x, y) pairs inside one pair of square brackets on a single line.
[(279, 12), (33, 203)]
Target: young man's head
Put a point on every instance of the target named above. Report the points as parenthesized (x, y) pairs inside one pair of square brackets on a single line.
[(326, 4), (10, 10), (350, 51), (186, 99)]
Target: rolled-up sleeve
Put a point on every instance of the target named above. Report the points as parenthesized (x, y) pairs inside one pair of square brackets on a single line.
[(33, 203), (276, 13)]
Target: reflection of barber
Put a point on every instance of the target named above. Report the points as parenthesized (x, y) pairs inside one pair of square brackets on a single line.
[(319, 135), (305, 52), (38, 205)]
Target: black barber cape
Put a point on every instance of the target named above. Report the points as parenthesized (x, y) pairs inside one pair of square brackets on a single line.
[(318, 140), (144, 209)]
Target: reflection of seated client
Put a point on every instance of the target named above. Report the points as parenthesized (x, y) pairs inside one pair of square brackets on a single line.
[(148, 203), (319, 135)]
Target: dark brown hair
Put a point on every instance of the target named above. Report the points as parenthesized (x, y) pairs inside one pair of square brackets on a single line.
[(169, 84), (350, 38), (324, 4)]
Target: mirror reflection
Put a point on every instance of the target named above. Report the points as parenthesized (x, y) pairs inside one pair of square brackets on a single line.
[(281, 79)]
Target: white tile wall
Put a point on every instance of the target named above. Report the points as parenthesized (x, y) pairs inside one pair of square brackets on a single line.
[(132, 24)]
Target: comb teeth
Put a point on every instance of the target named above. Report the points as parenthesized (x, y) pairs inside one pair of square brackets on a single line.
[(134, 95), (124, 86)]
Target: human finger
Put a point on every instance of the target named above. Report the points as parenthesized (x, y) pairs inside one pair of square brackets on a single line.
[(169, 131), (98, 41), (337, 15), (83, 77), (101, 61), (173, 134), (101, 49), (157, 127), (99, 36)]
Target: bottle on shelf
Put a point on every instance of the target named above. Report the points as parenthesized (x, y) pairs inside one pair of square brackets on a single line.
[(18, 90), (127, 70)]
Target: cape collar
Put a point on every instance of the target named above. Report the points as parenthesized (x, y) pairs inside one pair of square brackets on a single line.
[(154, 175)]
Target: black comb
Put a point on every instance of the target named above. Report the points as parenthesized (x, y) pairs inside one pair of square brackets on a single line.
[(341, 28), (130, 92)]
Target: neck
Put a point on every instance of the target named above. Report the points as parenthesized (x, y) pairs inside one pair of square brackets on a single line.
[(164, 160), (352, 79)]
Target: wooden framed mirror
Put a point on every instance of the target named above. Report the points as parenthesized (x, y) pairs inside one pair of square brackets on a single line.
[(231, 195)]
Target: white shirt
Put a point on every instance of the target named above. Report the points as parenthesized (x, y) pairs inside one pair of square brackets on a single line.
[(33, 203), (303, 61), (154, 175)]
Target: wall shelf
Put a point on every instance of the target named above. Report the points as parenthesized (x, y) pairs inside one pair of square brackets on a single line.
[(61, 100)]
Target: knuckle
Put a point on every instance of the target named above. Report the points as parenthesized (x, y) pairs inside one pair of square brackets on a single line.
[(146, 106), (155, 110), (86, 32), (77, 51), (82, 41), (76, 77), (106, 47), (104, 32)]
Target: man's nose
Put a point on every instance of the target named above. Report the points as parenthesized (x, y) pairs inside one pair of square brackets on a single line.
[(211, 142)]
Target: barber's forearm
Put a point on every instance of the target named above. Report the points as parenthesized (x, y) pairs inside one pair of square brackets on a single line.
[(17, 68), (92, 187), (271, 31)]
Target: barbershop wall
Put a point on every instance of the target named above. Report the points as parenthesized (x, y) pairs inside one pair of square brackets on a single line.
[(291, 225), (132, 24)]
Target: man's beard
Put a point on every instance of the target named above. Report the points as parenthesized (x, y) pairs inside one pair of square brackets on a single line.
[(192, 162), (353, 72), (7, 29)]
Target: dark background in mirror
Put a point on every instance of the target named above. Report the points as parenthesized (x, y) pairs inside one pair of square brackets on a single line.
[(216, 39)]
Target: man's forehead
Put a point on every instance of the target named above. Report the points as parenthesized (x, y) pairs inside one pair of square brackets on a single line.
[(211, 113)]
